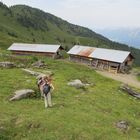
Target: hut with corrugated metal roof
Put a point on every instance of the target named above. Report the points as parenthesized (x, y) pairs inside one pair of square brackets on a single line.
[(100, 58), (36, 49)]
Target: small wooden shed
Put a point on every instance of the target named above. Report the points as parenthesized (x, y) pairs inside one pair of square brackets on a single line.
[(36, 49), (100, 58)]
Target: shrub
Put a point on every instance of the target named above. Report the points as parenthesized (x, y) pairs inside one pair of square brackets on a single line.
[(12, 34)]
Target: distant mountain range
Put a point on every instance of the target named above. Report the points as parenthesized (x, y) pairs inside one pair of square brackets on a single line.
[(21, 23), (128, 36)]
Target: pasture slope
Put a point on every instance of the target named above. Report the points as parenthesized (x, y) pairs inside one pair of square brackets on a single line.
[(89, 113)]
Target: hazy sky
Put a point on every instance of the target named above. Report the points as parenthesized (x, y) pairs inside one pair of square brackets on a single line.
[(90, 13)]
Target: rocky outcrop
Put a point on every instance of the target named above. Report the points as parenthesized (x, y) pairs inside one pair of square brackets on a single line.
[(39, 64), (38, 74), (7, 65), (32, 72)]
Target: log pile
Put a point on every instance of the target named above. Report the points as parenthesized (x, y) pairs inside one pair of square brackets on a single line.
[(130, 91)]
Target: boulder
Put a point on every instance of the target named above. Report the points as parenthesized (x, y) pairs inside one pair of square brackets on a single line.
[(7, 65), (21, 66), (39, 64), (21, 94), (123, 125), (76, 83), (38, 74)]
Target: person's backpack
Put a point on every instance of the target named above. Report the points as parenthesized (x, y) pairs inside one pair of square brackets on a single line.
[(46, 89)]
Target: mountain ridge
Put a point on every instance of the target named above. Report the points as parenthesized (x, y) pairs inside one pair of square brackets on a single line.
[(21, 23)]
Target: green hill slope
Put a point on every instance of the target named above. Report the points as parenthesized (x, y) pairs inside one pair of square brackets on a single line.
[(77, 114), (22, 23)]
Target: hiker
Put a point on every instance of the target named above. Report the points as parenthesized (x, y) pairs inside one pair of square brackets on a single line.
[(45, 86)]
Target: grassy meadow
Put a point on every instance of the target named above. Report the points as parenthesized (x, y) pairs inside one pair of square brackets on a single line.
[(77, 114), (138, 71), (139, 77)]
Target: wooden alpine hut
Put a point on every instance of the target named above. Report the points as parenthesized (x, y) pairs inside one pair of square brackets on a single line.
[(100, 58), (53, 51)]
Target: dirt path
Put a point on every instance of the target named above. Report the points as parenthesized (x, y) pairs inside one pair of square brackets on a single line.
[(129, 79)]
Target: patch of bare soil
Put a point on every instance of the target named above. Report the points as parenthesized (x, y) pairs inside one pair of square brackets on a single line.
[(129, 79)]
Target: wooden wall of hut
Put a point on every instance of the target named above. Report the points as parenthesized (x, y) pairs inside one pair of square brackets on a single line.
[(34, 53), (112, 67)]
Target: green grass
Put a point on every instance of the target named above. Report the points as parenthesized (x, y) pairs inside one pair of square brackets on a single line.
[(139, 77), (138, 70), (78, 114)]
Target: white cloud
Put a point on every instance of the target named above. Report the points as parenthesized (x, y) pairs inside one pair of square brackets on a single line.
[(101, 13)]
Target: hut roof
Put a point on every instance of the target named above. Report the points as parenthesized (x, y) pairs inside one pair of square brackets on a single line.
[(34, 47), (100, 53)]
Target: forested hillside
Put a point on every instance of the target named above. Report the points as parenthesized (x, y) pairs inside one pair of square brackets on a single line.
[(22, 23)]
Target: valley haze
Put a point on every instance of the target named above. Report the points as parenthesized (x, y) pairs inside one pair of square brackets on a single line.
[(129, 36)]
